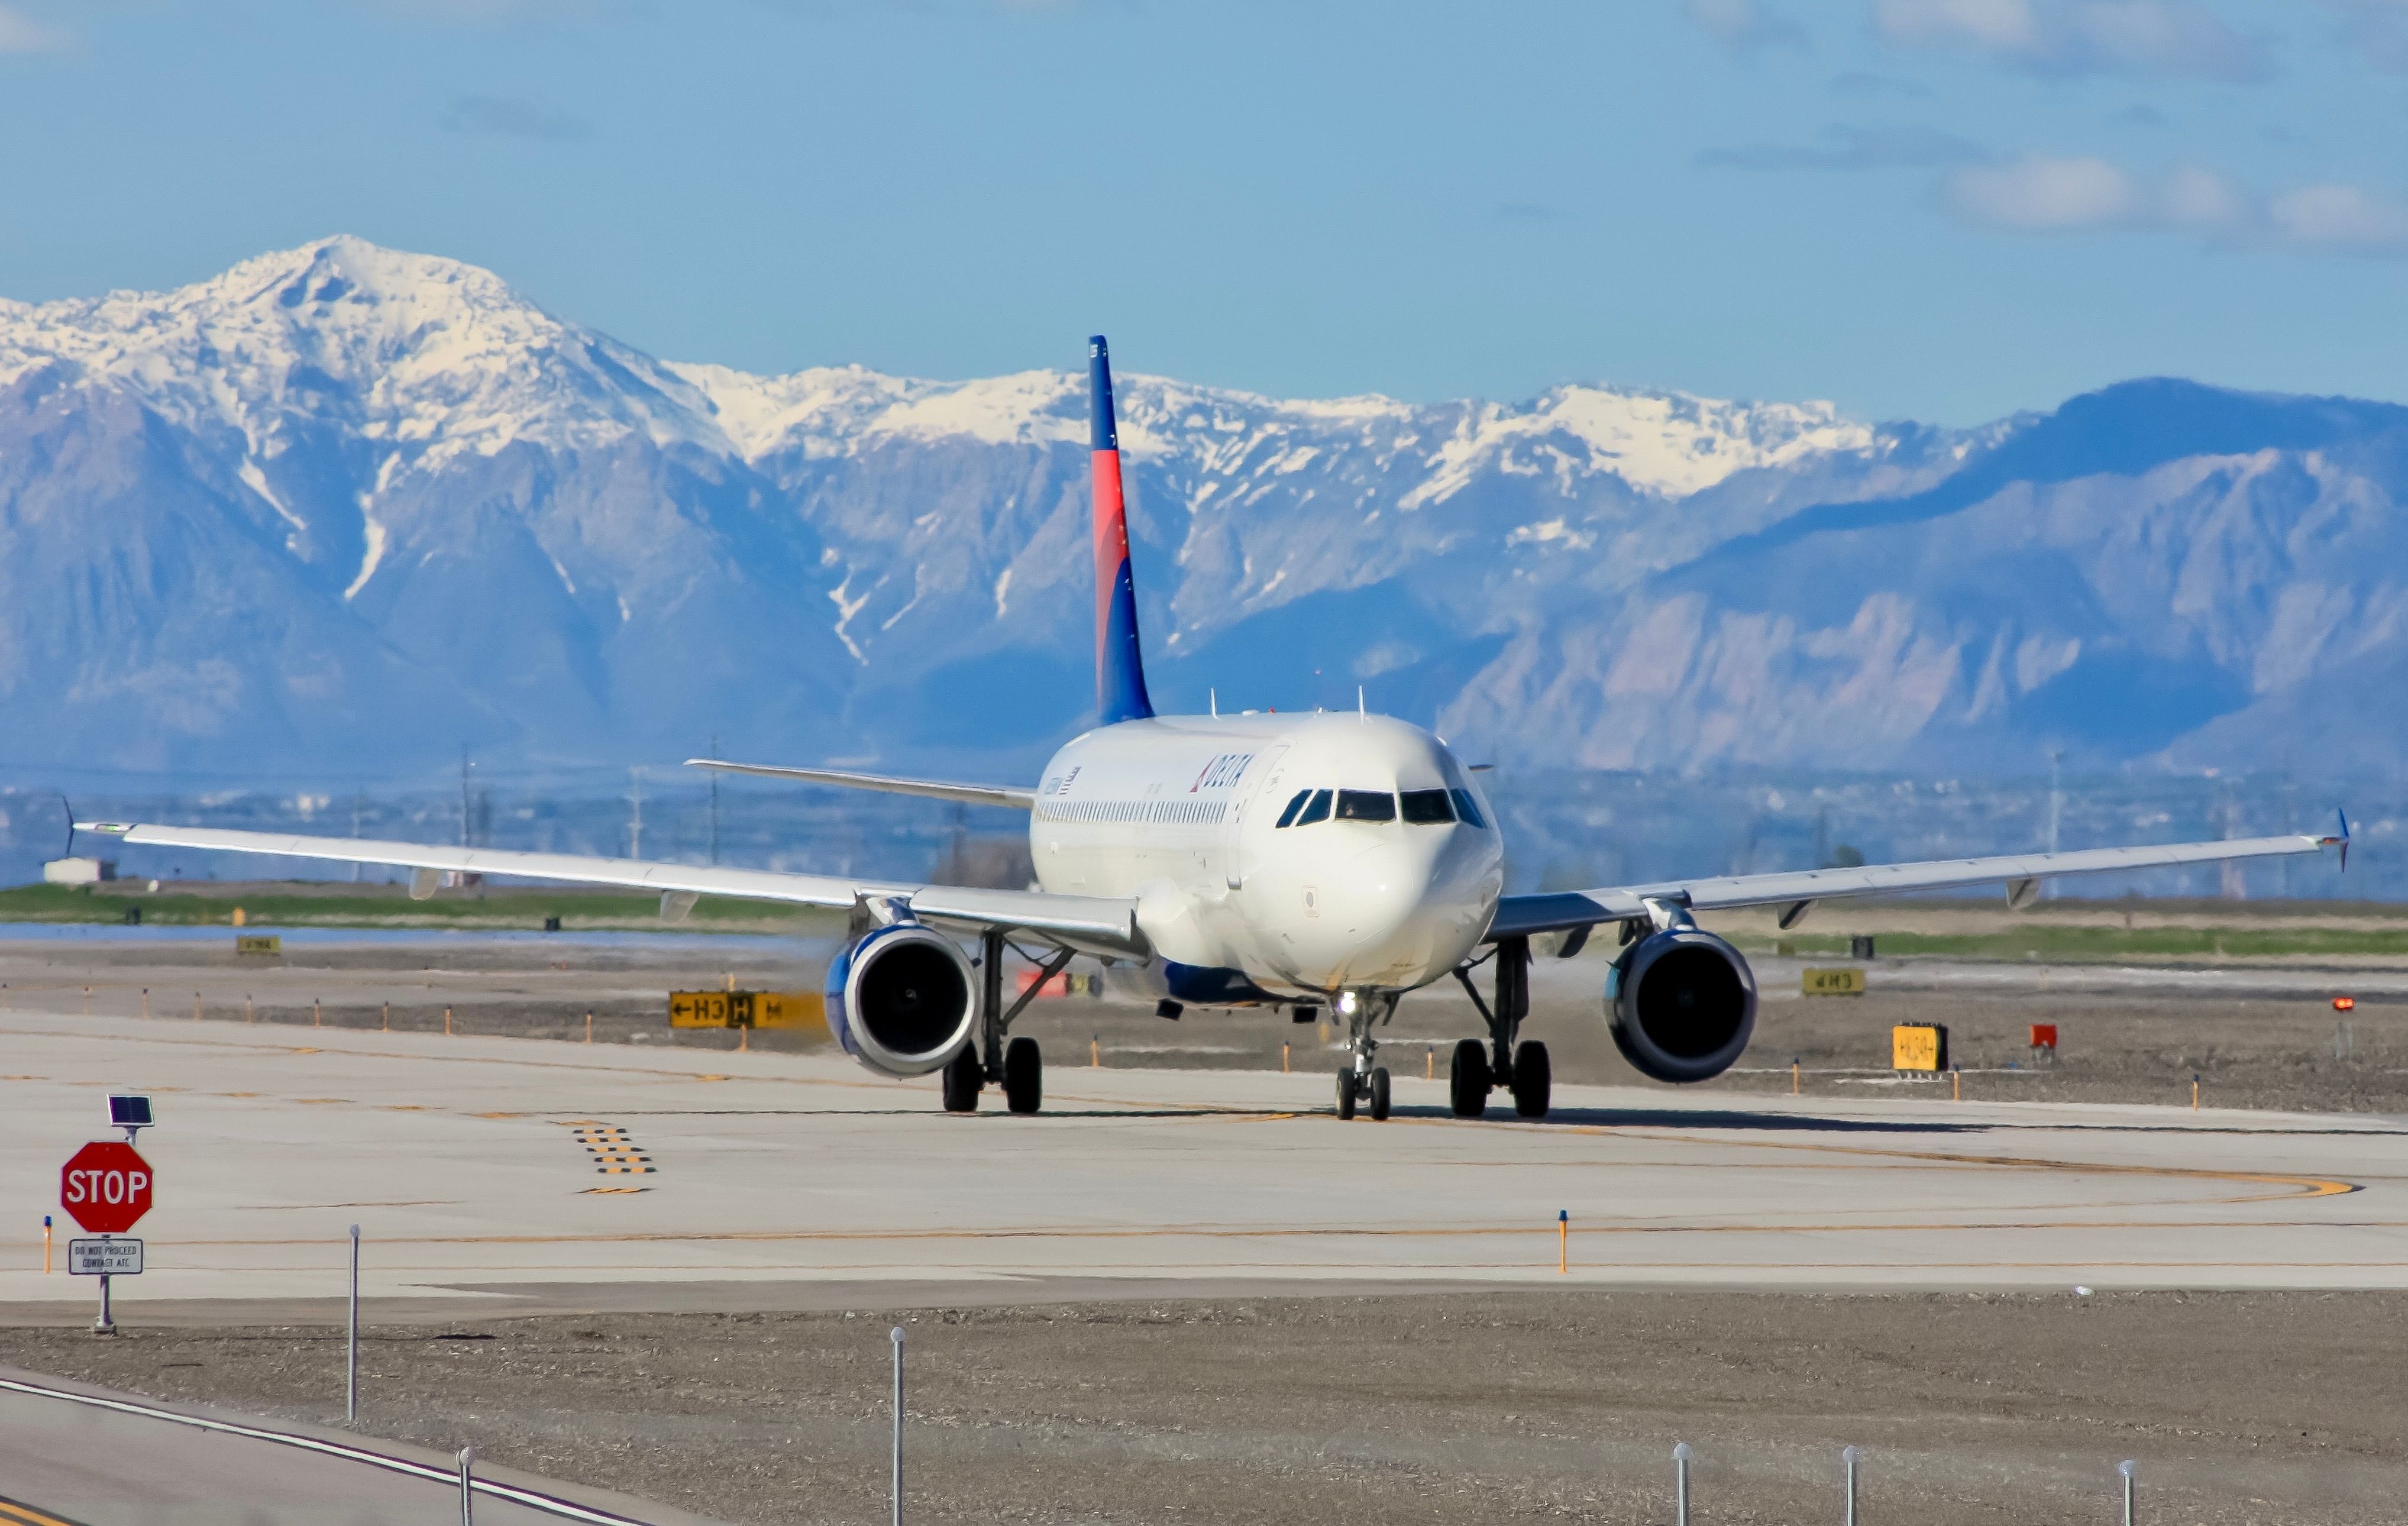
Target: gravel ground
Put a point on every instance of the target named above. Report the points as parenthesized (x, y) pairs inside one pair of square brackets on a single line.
[(2242, 1407)]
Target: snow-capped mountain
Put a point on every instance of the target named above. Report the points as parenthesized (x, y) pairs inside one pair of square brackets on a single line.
[(347, 509)]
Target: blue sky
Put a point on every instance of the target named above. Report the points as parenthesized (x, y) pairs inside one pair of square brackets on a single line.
[(1943, 209)]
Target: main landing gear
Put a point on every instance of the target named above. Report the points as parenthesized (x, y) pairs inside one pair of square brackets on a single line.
[(1016, 1065), (1502, 1064), (1361, 1081)]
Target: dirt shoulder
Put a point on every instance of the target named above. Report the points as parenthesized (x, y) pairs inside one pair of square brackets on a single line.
[(2258, 1407)]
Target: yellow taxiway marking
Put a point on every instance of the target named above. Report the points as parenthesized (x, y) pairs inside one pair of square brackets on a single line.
[(614, 1154), (1258, 1231), (2300, 1186), (18, 1513)]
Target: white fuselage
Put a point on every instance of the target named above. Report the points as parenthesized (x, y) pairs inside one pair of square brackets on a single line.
[(1183, 814)]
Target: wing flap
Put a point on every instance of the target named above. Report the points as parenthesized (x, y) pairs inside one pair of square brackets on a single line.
[(1090, 919), (1521, 915)]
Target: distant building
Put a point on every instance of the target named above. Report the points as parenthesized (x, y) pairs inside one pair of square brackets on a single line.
[(79, 871)]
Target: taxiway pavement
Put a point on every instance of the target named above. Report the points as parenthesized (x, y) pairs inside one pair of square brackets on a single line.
[(499, 1176), (70, 1464)]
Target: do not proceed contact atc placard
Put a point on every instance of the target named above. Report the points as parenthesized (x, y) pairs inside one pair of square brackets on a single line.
[(105, 1257)]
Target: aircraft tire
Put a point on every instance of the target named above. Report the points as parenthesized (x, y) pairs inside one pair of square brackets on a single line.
[(1345, 1094), (1380, 1095), (963, 1081), (1534, 1078), (1466, 1078), (1023, 1076)]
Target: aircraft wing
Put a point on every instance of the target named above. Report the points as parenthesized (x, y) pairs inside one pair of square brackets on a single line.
[(1011, 797), (1094, 923), (1794, 891)]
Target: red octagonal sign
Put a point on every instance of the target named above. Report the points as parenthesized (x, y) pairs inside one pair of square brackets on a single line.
[(105, 1186)]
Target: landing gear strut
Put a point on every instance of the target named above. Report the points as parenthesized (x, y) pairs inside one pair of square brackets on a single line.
[(1018, 1066), (1361, 1080), (1504, 1063)]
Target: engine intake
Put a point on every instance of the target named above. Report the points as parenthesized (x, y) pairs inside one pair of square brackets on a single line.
[(902, 999), (1681, 1005)]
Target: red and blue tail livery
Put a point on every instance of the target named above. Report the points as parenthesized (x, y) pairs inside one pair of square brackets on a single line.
[(1120, 668)]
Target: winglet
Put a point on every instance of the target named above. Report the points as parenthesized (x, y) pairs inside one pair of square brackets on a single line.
[(1120, 666), (2342, 817)]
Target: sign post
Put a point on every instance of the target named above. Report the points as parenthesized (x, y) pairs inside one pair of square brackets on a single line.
[(105, 1187), (351, 1347)]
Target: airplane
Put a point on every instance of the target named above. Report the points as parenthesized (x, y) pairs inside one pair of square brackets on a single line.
[(1323, 860)]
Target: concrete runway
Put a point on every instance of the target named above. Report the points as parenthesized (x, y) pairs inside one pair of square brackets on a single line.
[(497, 1175)]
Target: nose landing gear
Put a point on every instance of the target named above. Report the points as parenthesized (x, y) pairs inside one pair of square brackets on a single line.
[(1503, 1062), (1361, 1081)]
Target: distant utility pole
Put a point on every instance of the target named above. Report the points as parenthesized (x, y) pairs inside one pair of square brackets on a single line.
[(2056, 812), (2234, 885), (714, 803), (635, 813)]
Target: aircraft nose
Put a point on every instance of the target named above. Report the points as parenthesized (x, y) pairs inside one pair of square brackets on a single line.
[(1384, 888)]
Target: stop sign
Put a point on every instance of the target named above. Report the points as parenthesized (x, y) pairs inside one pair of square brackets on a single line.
[(105, 1187)]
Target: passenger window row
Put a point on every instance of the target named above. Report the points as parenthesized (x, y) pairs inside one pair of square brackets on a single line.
[(1421, 808), (1135, 810)]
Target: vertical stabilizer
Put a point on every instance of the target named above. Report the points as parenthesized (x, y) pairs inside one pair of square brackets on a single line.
[(1119, 668)]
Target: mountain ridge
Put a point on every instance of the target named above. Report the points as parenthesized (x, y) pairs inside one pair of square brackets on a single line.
[(351, 504)]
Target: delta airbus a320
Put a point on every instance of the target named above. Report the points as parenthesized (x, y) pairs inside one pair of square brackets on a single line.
[(1324, 861)]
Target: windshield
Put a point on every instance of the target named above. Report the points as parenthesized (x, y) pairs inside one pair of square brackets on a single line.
[(1427, 807), (1366, 806)]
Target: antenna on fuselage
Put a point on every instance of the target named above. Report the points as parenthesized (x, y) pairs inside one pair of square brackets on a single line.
[(1217, 703), (1362, 711)]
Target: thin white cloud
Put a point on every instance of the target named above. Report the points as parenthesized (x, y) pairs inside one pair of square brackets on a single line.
[(2040, 194), (21, 34), (2178, 38), (2034, 194), (1744, 25), (2341, 216)]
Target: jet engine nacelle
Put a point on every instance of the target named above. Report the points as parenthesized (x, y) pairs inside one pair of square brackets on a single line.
[(903, 1000), (1681, 1005)]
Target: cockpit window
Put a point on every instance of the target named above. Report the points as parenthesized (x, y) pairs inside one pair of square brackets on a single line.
[(1366, 806), (1287, 816), (1426, 808), (1315, 809), (1465, 810)]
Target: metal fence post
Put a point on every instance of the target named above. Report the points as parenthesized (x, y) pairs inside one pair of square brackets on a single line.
[(898, 1425), (352, 1347), (468, 1500), (1681, 1455), (1849, 1456), (2128, 1467)]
